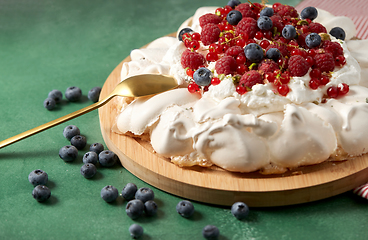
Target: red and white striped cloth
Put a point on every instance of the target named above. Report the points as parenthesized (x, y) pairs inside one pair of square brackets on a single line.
[(356, 10)]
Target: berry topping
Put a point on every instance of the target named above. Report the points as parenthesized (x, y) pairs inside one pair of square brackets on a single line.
[(210, 34), (251, 78), (226, 65), (234, 51), (333, 47), (192, 60), (182, 32), (325, 62), (313, 40), (298, 66), (264, 23), (273, 53), (247, 26), (338, 33), (317, 28), (289, 32), (281, 47), (266, 12), (202, 77), (246, 10), (233, 3), (277, 22), (253, 52), (309, 13), (209, 18), (268, 65), (286, 10), (234, 17)]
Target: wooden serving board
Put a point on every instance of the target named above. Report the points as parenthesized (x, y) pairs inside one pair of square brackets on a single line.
[(216, 186)]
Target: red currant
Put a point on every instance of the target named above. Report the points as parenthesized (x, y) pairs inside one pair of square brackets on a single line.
[(315, 73), (241, 69), (312, 52), (240, 42), (241, 90), (241, 59), (251, 41), (343, 89), (267, 35), (283, 90), (211, 48), (228, 27), (276, 5), (332, 92), (211, 57), (324, 80), (310, 60), (314, 83), (285, 78), (296, 51), (196, 36), (215, 81), (270, 77), (264, 44), (190, 72), (340, 61), (259, 35), (193, 87), (194, 44)]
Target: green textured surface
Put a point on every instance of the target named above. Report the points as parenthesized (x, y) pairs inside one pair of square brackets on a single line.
[(54, 44)]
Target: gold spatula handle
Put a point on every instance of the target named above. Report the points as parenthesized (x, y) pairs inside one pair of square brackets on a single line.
[(53, 123)]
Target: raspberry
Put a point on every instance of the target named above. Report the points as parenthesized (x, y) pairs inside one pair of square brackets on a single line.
[(234, 51), (316, 28), (246, 10), (267, 65), (192, 60), (286, 10), (325, 62), (226, 65), (277, 22), (209, 18), (333, 47), (251, 78), (298, 66), (281, 47), (210, 34), (247, 26)]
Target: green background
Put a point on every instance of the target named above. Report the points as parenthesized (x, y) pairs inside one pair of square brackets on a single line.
[(55, 44)]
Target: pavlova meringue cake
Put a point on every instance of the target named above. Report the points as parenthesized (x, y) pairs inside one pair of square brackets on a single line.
[(261, 88)]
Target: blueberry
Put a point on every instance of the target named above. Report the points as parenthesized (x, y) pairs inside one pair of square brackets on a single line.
[(266, 12), (134, 208), (38, 177), (264, 23), (68, 153), (79, 141), (90, 157), (88, 170), (309, 12), (233, 3), (107, 158), (289, 32), (273, 53), (109, 193), (185, 208), (182, 32), (240, 210), (135, 230), (49, 103), (144, 194), (150, 207), (313, 40), (210, 232), (73, 94), (234, 17), (70, 131), (41, 193), (56, 95), (202, 77), (94, 94), (338, 33), (96, 147), (253, 52), (129, 191)]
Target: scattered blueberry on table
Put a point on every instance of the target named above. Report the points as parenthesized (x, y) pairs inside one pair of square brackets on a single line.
[(70, 131), (57, 95), (240, 210), (150, 208), (90, 157), (134, 208), (49, 103), (210, 232), (107, 158), (144, 194), (78, 141), (94, 94), (96, 147), (109, 193), (38, 177), (136, 231), (41, 193), (68, 153), (88, 170), (185, 208), (73, 94), (129, 191)]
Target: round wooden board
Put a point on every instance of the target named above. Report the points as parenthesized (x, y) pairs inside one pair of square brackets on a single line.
[(216, 186)]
